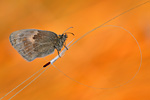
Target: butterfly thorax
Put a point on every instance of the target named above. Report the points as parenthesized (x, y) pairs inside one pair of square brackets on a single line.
[(61, 41)]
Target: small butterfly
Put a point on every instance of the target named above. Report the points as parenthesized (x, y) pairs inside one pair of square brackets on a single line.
[(34, 43)]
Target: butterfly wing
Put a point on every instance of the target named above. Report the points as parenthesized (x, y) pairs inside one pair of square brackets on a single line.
[(33, 43)]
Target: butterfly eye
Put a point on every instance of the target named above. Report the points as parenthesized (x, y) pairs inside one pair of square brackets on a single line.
[(66, 36)]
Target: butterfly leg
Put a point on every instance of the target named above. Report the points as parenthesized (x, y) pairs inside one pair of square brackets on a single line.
[(65, 46), (57, 51), (58, 54)]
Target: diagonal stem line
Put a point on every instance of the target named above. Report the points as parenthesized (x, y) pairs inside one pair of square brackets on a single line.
[(120, 84), (20, 84), (52, 61), (29, 83), (108, 21)]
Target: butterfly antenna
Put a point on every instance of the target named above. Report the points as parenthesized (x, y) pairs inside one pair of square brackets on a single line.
[(67, 29), (69, 33)]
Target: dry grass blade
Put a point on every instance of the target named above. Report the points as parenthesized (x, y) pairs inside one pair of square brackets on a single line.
[(118, 85), (52, 61)]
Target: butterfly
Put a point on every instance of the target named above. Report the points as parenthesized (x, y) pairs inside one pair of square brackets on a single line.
[(35, 43)]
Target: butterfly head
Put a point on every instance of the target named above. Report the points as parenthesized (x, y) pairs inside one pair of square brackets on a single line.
[(64, 36)]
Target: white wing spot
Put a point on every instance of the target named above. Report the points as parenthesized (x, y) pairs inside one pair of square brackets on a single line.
[(31, 37)]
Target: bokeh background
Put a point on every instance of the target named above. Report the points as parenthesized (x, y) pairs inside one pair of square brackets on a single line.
[(106, 58)]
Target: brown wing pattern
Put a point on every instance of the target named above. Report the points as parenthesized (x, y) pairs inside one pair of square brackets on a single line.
[(45, 42), (33, 43)]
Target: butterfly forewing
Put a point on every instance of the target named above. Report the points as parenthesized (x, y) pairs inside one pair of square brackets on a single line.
[(33, 43), (44, 43)]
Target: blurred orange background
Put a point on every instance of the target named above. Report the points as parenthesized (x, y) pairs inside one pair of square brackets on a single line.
[(106, 58)]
